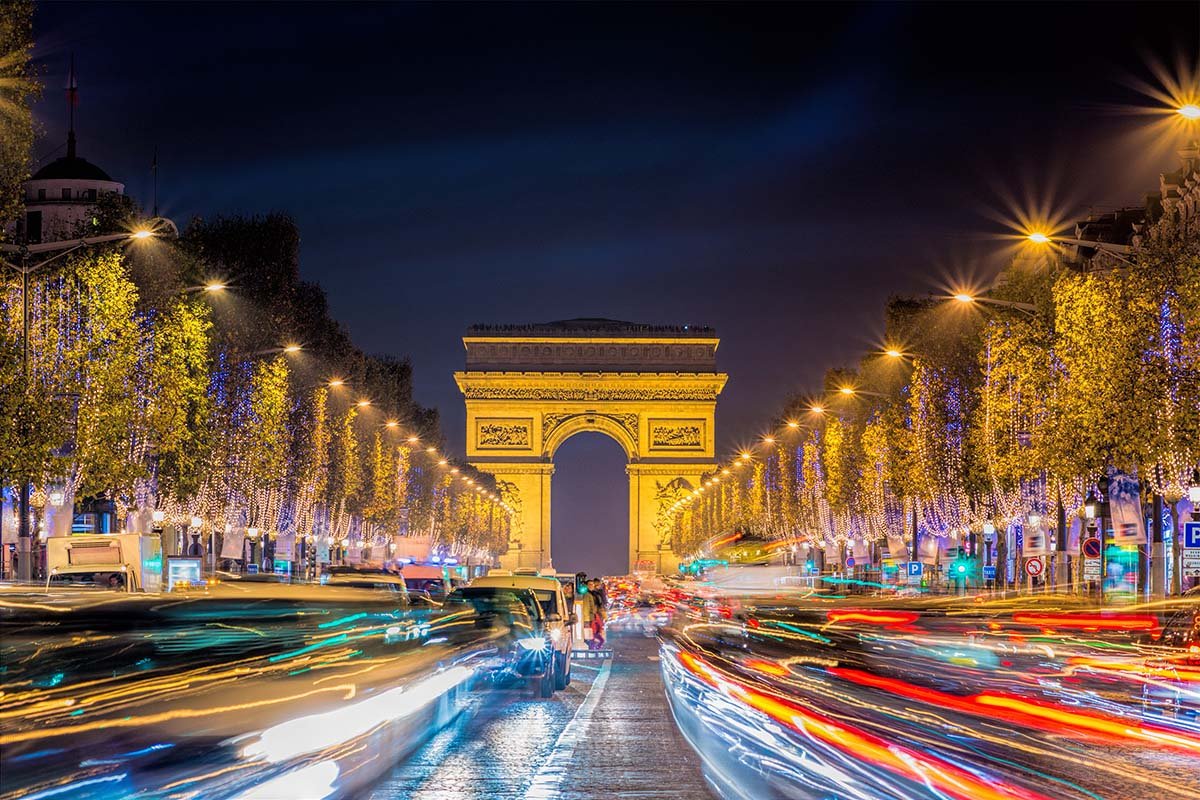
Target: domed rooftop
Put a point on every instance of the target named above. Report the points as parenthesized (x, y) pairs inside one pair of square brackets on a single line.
[(71, 167)]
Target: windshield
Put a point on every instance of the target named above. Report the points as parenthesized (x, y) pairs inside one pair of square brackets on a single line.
[(496, 601)]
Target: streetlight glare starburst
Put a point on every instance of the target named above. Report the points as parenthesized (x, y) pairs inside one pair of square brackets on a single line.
[(964, 297), (142, 234), (215, 286), (1189, 111), (1037, 237)]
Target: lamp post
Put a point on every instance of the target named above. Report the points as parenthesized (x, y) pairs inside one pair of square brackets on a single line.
[(24, 253), (968, 299), (1118, 251)]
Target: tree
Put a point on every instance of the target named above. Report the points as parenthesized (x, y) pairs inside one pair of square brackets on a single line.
[(17, 91)]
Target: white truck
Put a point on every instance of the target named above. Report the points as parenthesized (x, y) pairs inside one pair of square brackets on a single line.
[(135, 558)]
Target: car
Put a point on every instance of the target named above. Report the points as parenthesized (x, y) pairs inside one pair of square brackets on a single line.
[(560, 617), (529, 652), (1172, 689), (364, 578)]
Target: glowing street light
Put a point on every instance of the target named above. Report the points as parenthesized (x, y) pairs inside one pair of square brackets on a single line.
[(817, 409), (1118, 251), (847, 390), (793, 424), (142, 234), (391, 423), (970, 299), (363, 403), (215, 287), (1189, 111), (336, 382), (892, 352), (292, 349)]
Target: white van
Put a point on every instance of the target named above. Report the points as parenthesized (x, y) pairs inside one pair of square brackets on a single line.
[(559, 619), (136, 559)]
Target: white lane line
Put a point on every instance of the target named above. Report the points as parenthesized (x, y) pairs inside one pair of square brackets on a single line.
[(548, 780)]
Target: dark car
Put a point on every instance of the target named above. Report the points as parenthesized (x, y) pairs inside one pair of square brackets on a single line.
[(527, 652), (1172, 692)]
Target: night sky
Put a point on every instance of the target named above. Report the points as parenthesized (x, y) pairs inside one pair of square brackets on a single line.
[(773, 171)]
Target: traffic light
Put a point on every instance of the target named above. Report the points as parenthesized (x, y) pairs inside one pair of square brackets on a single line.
[(962, 567)]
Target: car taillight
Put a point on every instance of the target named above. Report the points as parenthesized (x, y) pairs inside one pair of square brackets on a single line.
[(1194, 649)]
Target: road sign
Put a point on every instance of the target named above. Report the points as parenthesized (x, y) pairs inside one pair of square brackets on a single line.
[(850, 561), (1191, 535), (914, 569), (989, 573), (1034, 567), (1091, 569), (1190, 561), (1091, 547)]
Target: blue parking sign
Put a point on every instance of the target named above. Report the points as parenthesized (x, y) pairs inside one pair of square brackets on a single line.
[(914, 569), (1191, 534), (989, 573)]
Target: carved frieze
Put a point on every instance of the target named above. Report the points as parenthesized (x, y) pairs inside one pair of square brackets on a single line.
[(503, 434), (681, 356), (685, 434), (494, 392)]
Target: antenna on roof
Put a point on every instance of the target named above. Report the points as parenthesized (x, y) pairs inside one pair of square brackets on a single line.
[(154, 169), (72, 101)]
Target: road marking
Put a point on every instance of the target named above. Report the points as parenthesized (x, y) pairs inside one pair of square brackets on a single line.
[(547, 782)]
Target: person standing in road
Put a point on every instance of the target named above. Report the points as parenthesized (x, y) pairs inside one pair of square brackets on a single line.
[(587, 612), (596, 591)]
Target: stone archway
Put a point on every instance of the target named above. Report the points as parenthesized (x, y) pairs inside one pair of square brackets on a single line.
[(530, 388)]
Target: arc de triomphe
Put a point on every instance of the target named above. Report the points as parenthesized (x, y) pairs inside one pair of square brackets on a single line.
[(529, 388)]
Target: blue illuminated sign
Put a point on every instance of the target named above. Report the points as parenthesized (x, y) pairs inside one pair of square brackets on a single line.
[(1191, 534)]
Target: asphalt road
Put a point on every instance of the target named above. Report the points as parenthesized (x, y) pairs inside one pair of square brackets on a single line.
[(608, 735)]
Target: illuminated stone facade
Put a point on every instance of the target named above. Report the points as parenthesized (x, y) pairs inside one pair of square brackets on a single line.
[(651, 388)]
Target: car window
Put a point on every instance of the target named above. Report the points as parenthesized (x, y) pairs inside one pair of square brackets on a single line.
[(548, 600), (368, 584)]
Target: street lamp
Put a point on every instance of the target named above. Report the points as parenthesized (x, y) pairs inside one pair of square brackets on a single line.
[(1090, 505), (154, 227), (1189, 111), (1118, 251), (971, 299), (1194, 488)]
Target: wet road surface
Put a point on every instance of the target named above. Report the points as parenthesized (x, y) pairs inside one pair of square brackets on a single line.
[(610, 734)]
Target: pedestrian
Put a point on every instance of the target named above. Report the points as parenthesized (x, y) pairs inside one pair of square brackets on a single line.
[(596, 591), (588, 614)]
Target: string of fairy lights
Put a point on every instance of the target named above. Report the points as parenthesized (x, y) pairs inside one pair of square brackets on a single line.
[(464, 473)]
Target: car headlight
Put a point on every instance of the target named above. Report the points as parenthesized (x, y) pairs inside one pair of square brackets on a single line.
[(535, 643)]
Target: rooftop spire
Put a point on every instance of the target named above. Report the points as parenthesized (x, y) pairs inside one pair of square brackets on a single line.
[(72, 101)]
